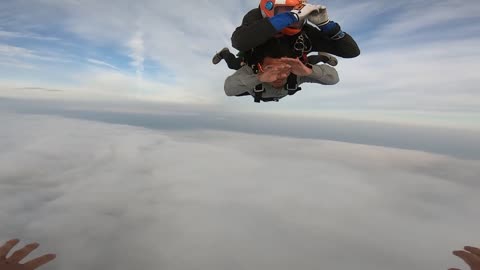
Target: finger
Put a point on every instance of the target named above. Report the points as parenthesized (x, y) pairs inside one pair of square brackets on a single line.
[(285, 65), (35, 263), (287, 60), (270, 71), (270, 74), (296, 60), (22, 253), (279, 69), (292, 62), (473, 250), (7, 247), (468, 257), (271, 68)]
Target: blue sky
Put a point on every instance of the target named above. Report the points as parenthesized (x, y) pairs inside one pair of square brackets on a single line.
[(418, 57)]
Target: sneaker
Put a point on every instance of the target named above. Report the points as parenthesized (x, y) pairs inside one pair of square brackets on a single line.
[(218, 56), (330, 59), (324, 58)]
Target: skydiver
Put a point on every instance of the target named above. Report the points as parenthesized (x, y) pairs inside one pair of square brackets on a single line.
[(305, 27), (278, 77)]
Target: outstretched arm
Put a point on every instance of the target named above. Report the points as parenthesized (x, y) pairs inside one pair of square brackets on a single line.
[(322, 74), (328, 36), (342, 45)]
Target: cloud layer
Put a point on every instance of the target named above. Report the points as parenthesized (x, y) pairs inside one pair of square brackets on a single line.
[(120, 197), (462, 141)]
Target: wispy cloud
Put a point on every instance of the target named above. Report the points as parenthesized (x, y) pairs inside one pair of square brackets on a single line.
[(136, 45), (102, 63), (9, 34), (421, 17), (13, 51), (21, 53), (13, 63)]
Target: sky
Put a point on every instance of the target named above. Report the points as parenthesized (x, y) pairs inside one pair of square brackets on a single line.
[(418, 57), (120, 150)]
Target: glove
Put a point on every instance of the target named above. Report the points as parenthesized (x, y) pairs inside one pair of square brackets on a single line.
[(319, 17), (332, 30), (302, 13)]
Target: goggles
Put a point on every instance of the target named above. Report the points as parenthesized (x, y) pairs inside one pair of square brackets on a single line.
[(282, 9)]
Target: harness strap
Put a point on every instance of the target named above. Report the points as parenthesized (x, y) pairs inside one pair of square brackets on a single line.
[(258, 91), (292, 85)]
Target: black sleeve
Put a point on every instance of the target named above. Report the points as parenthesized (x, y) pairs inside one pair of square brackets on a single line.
[(254, 31), (345, 47)]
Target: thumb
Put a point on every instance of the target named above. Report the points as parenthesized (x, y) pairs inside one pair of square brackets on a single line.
[(469, 258)]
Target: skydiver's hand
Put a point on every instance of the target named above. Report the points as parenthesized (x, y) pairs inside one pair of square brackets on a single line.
[(13, 262), (305, 10), (471, 255), (297, 67), (274, 72), (319, 17)]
